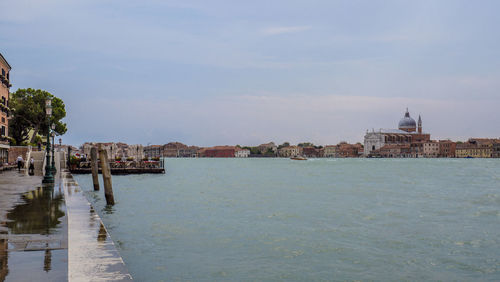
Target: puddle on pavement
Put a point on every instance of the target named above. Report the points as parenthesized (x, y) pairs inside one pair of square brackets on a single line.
[(39, 212), (33, 244)]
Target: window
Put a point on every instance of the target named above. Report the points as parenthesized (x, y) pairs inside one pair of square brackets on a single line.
[(2, 131)]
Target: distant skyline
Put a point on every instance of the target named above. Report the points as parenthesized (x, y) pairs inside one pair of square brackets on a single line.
[(249, 72)]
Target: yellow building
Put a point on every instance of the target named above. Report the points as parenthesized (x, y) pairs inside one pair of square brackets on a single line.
[(475, 148)]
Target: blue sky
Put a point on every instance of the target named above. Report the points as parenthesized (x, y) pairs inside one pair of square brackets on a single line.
[(248, 72)]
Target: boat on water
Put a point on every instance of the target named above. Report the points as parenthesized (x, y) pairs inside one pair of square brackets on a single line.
[(298, 158)]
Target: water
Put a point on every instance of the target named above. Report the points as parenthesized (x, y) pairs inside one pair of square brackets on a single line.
[(321, 219)]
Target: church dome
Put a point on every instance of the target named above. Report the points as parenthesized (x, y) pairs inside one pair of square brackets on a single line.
[(407, 123)]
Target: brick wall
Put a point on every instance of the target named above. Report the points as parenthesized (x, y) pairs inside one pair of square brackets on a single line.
[(15, 151)]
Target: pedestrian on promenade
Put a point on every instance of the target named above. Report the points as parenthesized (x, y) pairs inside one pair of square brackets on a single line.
[(31, 169), (20, 162)]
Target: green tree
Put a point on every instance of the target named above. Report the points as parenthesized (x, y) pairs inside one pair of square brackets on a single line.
[(285, 144), (27, 107), (305, 144)]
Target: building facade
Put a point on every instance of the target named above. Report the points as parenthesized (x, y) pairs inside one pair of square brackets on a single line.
[(477, 148), (431, 149), (171, 150), (220, 152), (115, 150), (330, 151), (268, 147), (447, 148), (290, 151), (188, 152), (4, 109), (153, 151), (241, 153), (310, 152)]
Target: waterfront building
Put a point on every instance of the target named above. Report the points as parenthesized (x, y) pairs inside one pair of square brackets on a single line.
[(496, 149), (330, 151), (220, 152), (346, 150), (431, 149), (290, 151), (407, 133), (477, 148), (153, 151), (447, 148), (241, 153), (264, 148), (171, 150), (188, 152), (4, 109), (310, 152), (115, 150)]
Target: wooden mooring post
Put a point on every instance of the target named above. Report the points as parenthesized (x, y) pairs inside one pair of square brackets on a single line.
[(106, 176), (95, 168)]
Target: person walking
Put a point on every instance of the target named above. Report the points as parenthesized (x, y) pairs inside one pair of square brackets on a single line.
[(31, 169), (20, 162)]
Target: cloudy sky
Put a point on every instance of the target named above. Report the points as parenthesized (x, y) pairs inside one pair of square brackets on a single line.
[(246, 72)]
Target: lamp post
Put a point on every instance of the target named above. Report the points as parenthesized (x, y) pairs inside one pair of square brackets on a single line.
[(48, 178), (53, 147)]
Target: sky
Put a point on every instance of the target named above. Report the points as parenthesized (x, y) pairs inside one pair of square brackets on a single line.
[(226, 72)]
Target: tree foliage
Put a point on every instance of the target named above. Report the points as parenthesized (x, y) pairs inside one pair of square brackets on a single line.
[(27, 107), (285, 144)]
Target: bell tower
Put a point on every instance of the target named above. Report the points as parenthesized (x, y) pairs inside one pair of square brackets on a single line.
[(419, 124)]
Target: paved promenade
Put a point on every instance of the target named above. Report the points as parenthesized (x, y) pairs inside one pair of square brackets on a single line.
[(52, 233)]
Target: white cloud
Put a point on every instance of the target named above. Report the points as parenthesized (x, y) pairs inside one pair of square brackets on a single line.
[(284, 29)]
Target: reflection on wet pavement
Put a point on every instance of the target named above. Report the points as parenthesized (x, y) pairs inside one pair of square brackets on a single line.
[(39, 214), (33, 229)]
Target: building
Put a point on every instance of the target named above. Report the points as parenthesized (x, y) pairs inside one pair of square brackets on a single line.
[(4, 109), (447, 148), (220, 152), (431, 149), (188, 152), (330, 151), (346, 150), (496, 149), (268, 148), (171, 150), (477, 148), (290, 151), (115, 150), (241, 153), (153, 151), (310, 152), (407, 133)]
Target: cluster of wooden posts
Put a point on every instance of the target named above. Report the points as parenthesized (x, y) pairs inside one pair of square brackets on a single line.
[(106, 173)]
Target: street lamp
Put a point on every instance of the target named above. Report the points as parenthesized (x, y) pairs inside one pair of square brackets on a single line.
[(53, 146), (48, 178)]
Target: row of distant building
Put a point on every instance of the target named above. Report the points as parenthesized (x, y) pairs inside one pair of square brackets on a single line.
[(407, 141)]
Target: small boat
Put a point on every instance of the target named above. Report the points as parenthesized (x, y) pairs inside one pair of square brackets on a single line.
[(299, 158)]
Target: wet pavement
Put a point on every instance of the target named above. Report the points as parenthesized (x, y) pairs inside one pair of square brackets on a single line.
[(52, 233), (92, 253), (33, 229)]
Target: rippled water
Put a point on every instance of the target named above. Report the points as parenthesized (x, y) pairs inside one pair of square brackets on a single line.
[(321, 219)]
